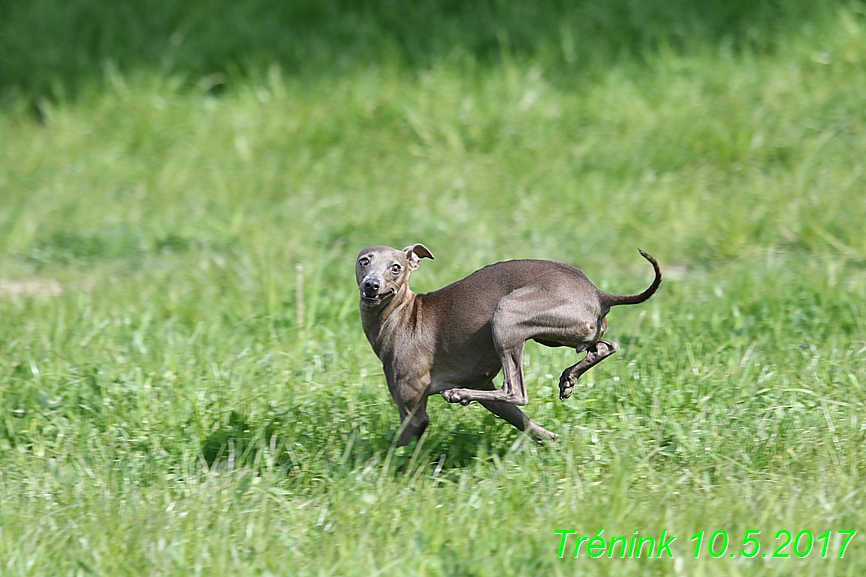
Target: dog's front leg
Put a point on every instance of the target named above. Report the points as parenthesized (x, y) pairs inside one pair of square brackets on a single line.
[(413, 422), (410, 395)]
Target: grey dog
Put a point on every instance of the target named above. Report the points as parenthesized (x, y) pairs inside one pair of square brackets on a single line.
[(455, 340)]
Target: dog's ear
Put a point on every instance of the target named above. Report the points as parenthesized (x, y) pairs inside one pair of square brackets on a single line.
[(416, 252)]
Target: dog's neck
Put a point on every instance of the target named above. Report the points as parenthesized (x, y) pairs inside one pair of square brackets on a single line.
[(381, 324)]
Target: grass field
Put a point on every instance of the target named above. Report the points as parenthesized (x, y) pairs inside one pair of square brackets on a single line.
[(186, 390)]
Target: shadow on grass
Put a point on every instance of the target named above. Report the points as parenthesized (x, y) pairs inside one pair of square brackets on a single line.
[(240, 443), (446, 452)]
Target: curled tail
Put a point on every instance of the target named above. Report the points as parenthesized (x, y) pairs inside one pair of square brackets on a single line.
[(609, 300)]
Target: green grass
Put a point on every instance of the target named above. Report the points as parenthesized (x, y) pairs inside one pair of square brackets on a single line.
[(54, 47), (171, 406)]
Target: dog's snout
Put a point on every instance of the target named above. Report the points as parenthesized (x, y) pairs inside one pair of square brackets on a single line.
[(371, 286)]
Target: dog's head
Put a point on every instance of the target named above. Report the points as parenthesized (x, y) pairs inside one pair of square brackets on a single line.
[(382, 271)]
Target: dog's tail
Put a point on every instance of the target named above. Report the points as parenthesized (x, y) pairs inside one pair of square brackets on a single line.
[(608, 300)]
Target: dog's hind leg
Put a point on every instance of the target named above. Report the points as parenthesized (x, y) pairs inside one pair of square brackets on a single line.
[(518, 418), (594, 355)]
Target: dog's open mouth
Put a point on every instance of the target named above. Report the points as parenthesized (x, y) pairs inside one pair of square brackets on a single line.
[(377, 299)]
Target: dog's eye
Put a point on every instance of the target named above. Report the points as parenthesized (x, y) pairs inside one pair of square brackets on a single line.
[(364, 261), (395, 268)]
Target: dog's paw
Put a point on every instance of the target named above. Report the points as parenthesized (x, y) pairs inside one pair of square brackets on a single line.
[(542, 436), (566, 387), (456, 396), (567, 381)]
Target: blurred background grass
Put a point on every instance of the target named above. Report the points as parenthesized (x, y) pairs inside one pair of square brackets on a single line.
[(171, 404), (51, 47)]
